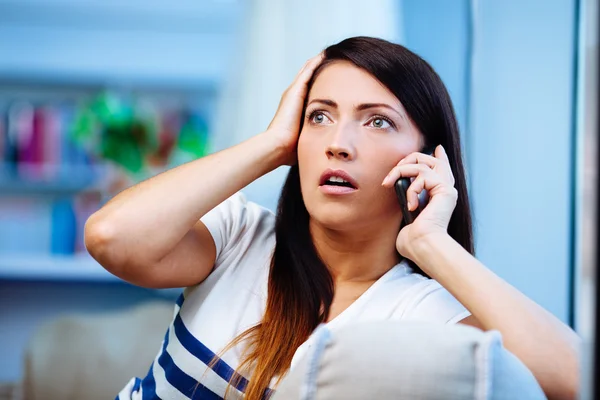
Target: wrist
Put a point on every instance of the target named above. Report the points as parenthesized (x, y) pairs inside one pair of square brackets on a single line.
[(256, 155), (426, 248), (279, 146)]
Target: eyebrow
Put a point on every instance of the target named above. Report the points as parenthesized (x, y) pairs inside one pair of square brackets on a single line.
[(360, 107)]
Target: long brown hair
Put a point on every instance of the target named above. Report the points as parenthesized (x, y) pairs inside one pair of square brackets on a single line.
[(300, 288)]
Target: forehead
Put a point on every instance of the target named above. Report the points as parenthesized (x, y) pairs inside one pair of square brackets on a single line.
[(345, 83)]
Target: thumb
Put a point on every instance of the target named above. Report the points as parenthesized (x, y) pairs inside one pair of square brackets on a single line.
[(440, 153)]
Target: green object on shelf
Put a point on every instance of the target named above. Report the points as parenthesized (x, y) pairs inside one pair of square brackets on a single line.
[(85, 123), (112, 128), (193, 136), (136, 137)]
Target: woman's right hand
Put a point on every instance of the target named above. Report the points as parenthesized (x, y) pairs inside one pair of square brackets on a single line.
[(285, 125)]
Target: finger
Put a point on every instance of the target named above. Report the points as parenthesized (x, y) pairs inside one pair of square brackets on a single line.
[(439, 163), (420, 158), (425, 181), (440, 153), (299, 88), (412, 194), (308, 68), (404, 171), (444, 162)]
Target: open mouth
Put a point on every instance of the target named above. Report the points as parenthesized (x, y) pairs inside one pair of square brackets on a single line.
[(337, 179)]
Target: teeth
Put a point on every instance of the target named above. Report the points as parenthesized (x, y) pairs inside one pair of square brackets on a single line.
[(337, 179)]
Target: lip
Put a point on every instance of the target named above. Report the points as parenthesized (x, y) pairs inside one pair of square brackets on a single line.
[(337, 189)]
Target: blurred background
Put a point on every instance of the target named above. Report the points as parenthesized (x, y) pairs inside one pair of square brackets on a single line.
[(97, 95)]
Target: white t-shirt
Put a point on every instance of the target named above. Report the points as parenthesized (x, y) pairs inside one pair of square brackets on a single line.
[(233, 298)]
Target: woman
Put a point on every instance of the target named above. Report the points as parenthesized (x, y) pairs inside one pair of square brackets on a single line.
[(351, 124)]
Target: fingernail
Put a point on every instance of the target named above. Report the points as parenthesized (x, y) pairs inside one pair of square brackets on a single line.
[(409, 205), (385, 180)]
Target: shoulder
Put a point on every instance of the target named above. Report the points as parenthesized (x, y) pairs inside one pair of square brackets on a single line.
[(420, 298), (433, 303), (237, 211), (237, 223)]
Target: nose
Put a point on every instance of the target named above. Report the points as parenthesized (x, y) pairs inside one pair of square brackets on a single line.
[(340, 146), (338, 152)]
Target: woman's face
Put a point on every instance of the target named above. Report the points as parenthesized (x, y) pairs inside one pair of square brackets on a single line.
[(357, 130)]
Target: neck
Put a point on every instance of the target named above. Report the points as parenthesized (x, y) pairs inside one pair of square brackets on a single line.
[(360, 255)]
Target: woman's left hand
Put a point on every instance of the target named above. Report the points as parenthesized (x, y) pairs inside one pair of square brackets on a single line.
[(431, 173)]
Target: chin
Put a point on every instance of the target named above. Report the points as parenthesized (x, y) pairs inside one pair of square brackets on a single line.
[(335, 217)]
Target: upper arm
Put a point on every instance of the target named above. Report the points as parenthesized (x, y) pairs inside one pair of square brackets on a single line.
[(224, 230), (188, 263)]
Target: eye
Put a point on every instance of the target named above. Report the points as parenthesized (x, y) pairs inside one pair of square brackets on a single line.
[(380, 122), (318, 117)]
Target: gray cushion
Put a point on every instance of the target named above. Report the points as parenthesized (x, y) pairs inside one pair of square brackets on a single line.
[(91, 357), (403, 360)]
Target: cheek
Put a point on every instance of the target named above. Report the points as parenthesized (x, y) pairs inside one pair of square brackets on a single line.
[(389, 155), (301, 146), (383, 158), (306, 153), (307, 148)]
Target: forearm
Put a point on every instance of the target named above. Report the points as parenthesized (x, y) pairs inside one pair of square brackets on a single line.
[(150, 218), (547, 346)]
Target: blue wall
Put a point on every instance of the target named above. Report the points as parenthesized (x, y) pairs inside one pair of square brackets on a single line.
[(519, 137), (521, 145), (438, 31)]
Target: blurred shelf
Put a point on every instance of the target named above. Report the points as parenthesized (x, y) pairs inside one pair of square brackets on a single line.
[(68, 181), (184, 45), (76, 268), (15, 187), (94, 81), (190, 16)]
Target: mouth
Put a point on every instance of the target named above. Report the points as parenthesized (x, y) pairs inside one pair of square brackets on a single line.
[(337, 182)]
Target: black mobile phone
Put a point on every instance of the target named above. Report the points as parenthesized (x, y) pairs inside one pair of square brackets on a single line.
[(401, 188)]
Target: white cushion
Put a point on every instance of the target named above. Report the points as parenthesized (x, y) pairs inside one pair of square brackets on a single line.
[(403, 360)]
